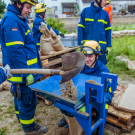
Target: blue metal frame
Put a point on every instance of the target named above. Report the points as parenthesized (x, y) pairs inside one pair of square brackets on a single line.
[(90, 101), (51, 91)]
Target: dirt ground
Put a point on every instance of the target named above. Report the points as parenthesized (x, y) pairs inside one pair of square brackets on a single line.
[(45, 115)]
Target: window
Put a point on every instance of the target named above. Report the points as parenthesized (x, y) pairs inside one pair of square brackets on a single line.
[(114, 8), (55, 7)]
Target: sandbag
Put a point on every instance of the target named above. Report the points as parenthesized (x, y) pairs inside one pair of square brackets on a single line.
[(74, 126), (45, 41), (5, 86), (1, 62), (0, 54), (56, 41), (30, 25)]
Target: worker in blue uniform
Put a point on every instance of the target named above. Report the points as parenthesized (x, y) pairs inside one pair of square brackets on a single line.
[(5, 73), (20, 52), (40, 10), (93, 67), (95, 25)]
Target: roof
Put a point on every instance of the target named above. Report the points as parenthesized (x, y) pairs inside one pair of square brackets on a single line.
[(68, 5), (87, 1)]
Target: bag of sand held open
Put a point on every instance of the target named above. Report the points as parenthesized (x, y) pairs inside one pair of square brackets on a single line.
[(56, 41), (45, 41)]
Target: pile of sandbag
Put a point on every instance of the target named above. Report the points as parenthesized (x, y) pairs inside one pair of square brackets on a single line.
[(124, 98), (117, 34), (1, 59), (5, 86), (49, 41)]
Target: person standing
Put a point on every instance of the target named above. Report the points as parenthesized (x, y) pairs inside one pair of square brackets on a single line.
[(20, 52), (95, 25), (40, 10), (108, 9)]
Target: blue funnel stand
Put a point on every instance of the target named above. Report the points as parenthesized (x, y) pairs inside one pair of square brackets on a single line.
[(97, 101)]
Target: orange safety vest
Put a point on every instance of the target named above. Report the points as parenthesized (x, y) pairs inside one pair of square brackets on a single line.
[(108, 9)]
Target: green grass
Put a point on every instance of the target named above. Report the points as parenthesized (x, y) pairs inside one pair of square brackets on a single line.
[(123, 27), (121, 46), (3, 130), (38, 120)]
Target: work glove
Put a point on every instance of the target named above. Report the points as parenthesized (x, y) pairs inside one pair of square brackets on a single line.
[(61, 34), (7, 71), (29, 79)]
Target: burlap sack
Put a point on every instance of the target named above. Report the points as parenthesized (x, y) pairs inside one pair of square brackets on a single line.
[(1, 62), (0, 54), (74, 126), (45, 41), (5, 86), (56, 41), (30, 25)]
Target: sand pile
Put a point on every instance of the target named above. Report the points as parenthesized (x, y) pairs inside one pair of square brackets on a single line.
[(69, 91)]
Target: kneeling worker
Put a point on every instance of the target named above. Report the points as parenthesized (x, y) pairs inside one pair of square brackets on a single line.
[(93, 67), (40, 10)]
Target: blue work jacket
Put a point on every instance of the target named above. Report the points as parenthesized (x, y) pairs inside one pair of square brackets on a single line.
[(95, 25), (36, 31), (3, 76), (17, 43), (96, 71)]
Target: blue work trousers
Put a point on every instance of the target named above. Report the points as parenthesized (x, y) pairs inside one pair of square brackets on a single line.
[(27, 106)]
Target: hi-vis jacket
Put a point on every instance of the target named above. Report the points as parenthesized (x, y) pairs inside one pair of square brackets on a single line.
[(95, 25), (18, 47), (36, 31)]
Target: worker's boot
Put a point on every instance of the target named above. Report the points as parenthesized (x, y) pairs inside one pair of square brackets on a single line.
[(38, 130), (62, 122)]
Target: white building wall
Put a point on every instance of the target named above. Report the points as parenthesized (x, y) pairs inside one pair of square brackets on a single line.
[(57, 3), (121, 5)]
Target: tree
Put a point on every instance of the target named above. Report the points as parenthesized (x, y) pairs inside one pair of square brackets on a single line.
[(2, 6)]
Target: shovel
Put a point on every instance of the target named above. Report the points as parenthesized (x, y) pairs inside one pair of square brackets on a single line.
[(72, 65)]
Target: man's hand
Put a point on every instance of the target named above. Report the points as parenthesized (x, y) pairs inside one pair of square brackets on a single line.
[(7, 71), (61, 34), (29, 79)]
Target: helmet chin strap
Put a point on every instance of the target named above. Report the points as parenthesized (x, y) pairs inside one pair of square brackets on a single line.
[(94, 61), (19, 9), (42, 14), (99, 3)]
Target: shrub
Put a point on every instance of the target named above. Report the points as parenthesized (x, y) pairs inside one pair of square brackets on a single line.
[(1, 16), (56, 24)]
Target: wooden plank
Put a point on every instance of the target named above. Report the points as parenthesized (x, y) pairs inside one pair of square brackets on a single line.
[(44, 62), (58, 53), (53, 62), (115, 121), (119, 113), (113, 128)]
